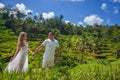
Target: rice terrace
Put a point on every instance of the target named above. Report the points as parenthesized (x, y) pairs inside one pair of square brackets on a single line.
[(88, 49)]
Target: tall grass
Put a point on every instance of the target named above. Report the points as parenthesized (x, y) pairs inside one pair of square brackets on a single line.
[(96, 71), (90, 71)]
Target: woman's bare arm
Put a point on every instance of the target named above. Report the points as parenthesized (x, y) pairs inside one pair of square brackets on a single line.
[(30, 51)]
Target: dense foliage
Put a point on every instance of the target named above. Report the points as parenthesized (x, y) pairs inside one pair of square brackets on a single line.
[(86, 53)]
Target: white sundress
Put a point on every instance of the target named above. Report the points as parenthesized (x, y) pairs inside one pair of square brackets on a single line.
[(20, 59)]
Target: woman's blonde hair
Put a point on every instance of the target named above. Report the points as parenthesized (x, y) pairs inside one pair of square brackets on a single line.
[(21, 38)]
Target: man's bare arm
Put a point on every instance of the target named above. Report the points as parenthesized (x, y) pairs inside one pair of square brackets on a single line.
[(57, 53), (38, 48)]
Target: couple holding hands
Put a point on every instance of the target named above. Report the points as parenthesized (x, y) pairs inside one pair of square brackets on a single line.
[(19, 62)]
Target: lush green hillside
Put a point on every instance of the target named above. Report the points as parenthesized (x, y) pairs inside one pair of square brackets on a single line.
[(72, 63), (86, 53)]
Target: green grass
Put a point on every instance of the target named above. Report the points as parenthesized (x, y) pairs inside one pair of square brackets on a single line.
[(95, 72), (90, 71)]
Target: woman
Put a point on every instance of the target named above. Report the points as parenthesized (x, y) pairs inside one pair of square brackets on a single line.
[(19, 62)]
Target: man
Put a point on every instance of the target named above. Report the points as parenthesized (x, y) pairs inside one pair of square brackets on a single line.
[(51, 50)]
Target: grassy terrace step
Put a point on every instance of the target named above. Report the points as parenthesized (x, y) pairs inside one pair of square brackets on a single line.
[(102, 56), (111, 58), (105, 48), (106, 51), (6, 35)]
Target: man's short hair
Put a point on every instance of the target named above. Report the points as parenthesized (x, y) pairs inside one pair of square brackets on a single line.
[(52, 33)]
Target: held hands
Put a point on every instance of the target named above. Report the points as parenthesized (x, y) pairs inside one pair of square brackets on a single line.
[(33, 53)]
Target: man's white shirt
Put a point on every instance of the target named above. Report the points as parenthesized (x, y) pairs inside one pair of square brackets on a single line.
[(50, 48)]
